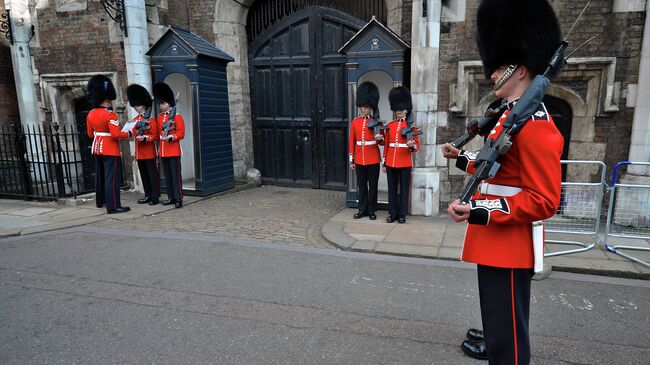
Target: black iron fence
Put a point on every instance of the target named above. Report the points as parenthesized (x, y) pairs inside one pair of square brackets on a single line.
[(45, 161)]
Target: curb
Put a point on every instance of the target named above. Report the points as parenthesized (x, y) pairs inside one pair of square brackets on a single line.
[(333, 232)]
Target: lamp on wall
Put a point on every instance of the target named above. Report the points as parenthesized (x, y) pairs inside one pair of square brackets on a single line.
[(115, 10)]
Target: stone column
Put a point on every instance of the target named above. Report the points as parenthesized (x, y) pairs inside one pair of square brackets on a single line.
[(230, 35), (138, 67), (425, 51), (136, 45), (22, 64), (640, 142)]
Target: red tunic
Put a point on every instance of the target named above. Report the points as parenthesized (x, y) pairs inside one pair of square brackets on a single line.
[(146, 150), (171, 148), (396, 153), (363, 149), (499, 233), (103, 127)]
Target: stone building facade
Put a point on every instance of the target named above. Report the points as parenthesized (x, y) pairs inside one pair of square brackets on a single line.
[(601, 86)]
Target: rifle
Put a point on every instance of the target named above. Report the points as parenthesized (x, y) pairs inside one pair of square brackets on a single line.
[(376, 124), (144, 125), (480, 126), (170, 124), (486, 160), (409, 132)]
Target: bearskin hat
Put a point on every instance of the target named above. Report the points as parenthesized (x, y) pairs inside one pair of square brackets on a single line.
[(162, 92), (368, 95), (138, 96), (400, 99), (100, 88), (517, 32)]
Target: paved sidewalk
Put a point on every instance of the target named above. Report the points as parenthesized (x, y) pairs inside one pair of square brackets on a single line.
[(306, 217), (441, 238), (19, 217)]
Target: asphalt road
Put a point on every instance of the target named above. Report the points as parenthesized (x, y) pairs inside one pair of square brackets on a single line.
[(100, 296)]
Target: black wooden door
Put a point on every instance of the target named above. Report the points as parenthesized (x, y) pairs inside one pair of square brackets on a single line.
[(298, 95), (87, 183)]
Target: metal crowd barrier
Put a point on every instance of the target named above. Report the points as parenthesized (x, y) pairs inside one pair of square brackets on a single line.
[(580, 207), (628, 217)]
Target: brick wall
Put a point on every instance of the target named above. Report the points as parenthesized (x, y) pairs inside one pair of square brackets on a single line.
[(8, 99), (78, 41)]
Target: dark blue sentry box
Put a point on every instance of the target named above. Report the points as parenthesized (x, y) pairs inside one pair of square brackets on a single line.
[(374, 54), (196, 70)]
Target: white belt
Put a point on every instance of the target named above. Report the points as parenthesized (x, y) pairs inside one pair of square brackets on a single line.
[(366, 143), (398, 145), (102, 134), (499, 190)]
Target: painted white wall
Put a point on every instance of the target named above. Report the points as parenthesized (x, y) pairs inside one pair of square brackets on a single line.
[(384, 84), (179, 83)]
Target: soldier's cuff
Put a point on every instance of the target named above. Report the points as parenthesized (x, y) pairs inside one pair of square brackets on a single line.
[(463, 160), (480, 210)]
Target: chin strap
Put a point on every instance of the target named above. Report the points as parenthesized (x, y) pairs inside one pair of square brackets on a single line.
[(505, 76)]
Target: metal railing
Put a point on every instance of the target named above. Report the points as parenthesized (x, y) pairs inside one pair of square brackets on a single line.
[(580, 208), (44, 162), (628, 216)]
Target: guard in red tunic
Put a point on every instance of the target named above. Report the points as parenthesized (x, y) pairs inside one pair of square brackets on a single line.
[(516, 40), (146, 133), (171, 130), (103, 127), (401, 142), (364, 150)]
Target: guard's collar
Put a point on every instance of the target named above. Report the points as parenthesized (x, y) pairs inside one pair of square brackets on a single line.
[(511, 104)]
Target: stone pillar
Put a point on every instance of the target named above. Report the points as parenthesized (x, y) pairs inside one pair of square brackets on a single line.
[(230, 35), (136, 45), (640, 142), (21, 61), (22, 65), (425, 51), (138, 67)]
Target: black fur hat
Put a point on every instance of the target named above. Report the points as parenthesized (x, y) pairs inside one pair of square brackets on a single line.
[(368, 95), (138, 96), (517, 32), (100, 88), (162, 92), (400, 99)]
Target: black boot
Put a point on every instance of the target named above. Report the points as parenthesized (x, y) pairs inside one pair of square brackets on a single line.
[(475, 350), (144, 200), (475, 335)]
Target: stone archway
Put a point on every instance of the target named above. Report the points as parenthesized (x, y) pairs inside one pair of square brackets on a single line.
[(229, 28)]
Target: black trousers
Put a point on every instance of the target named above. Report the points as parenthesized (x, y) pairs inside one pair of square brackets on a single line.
[(150, 177), (505, 309), (100, 199), (112, 179), (173, 180), (367, 181), (398, 177)]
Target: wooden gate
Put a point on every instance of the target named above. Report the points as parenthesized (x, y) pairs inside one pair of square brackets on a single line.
[(299, 101)]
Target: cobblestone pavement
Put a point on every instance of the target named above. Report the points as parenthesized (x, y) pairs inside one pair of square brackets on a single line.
[(267, 213)]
